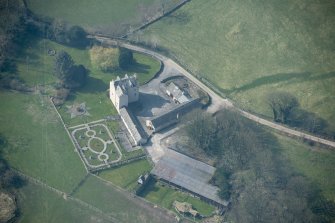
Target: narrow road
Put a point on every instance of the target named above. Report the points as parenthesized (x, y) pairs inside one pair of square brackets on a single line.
[(217, 101)]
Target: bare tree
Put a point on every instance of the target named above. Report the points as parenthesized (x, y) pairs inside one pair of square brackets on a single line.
[(282, 103)]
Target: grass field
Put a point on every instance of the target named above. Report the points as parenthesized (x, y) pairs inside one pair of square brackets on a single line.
[(37, 142), (316, 164), (39, 146), (107, 16), (114, 203), (40, 205), (35, 67), (248, 49), (164, 196), (126, 176)]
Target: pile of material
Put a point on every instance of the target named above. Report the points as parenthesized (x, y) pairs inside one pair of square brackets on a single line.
[(184, 207)]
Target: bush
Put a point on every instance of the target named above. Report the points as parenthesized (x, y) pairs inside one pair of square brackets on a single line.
[(76, 36), (77, 77), (126, 58), (63, 65), (61, 95), (105, 59)]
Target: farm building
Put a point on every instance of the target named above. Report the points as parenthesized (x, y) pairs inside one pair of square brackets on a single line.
[(171, 117), (123, 92), (188, 174), (179, 96)]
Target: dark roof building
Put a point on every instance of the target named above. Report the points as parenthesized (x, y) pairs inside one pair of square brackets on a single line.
[(171, 117), (189, 174), (178, 95), (134, 128)]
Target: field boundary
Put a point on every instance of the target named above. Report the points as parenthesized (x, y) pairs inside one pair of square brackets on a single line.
[(68, 133), (64, 195), (155, 18)]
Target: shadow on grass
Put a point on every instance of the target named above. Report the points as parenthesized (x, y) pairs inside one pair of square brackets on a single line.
[(301, 77), (138, 68), (149, 187), (93, 85), (310, 122)]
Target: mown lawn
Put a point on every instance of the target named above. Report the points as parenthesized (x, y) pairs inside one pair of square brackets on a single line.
[(37, 142), (126, 176), (164, 196), (317, 164), (40, 205), (248, 49)]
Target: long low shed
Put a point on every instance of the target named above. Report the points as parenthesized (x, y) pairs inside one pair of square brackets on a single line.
[(172, 116), (187, 173), (135, 130)]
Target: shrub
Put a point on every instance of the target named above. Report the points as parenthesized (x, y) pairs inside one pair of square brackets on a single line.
[(126, 58), (77, 37), (77, 77)]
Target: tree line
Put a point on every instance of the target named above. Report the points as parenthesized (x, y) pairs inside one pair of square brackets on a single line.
[(252, 173), (286, 109)]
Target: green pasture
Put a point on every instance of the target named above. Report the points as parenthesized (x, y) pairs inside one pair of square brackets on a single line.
[(37, 142), (248, 49), (317, 164), (107, 16), (40, 205), (120, 205)]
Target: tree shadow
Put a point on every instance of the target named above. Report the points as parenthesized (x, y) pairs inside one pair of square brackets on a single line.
[(281, 77), (138, 68), (93, 85), (310, 122)]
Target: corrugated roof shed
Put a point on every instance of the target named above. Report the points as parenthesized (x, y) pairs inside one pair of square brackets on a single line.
[(188, 173)]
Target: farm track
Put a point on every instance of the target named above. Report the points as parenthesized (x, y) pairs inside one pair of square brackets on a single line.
[(217, 101)]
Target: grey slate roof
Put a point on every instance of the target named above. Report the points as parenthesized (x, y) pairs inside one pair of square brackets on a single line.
[(187, 173), (177, 93), (124, 83), (131, 123), (170, 116)]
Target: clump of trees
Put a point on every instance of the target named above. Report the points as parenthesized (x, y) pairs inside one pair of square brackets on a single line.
[(111, 59), (282, 104), (60, 32), (252, 173), (126, 58), (12, 30), (69, 74), (286, 110), (10, 181)]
